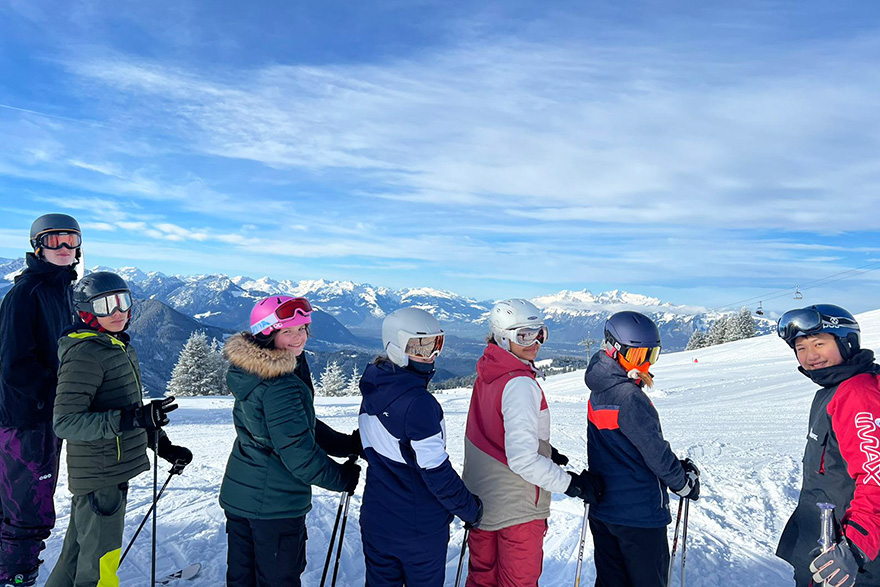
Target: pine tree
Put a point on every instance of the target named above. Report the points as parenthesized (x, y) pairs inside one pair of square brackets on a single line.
[(220, 367), (332, 383), (698, 340), (353, 385), (718, 331), (197, 369)]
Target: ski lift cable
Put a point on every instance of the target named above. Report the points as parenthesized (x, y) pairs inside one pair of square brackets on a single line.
[(834, 277)]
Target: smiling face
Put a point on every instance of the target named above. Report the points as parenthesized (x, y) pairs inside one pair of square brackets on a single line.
[(526, 353), (115, 322), (817, 351), (292, 339)]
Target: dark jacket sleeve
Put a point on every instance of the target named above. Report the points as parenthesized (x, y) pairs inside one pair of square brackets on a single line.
[(25, 380), (79, 377), (335, 444), (640, 423), (294, 441), (426, 435)]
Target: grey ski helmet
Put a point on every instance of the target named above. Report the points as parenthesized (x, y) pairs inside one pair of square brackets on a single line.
[(48, 223)]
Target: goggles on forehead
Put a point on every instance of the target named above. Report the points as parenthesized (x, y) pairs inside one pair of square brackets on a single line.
[(640, 355), (806, 321), (529, 335), (286, 311), (106, 305), (57, 240), (425, 347)]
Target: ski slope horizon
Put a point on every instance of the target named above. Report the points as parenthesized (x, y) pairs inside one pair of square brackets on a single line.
[(740, 412)]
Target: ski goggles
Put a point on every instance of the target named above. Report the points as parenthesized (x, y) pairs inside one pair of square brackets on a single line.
[(57, 240), (425, 347), (529, 335), (640, 355), (106, 305), (284, 312), (806, 321)]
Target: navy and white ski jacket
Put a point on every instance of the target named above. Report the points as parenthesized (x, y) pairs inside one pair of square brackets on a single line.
[(625, 446), (411, 487)]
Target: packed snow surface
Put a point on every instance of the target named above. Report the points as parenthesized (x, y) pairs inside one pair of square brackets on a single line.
[(740, 412)]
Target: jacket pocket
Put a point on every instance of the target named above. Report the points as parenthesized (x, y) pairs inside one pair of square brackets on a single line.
[(107, 501)]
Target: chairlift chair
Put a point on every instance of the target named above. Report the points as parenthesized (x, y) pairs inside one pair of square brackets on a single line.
[(760, 310), (797, 293)]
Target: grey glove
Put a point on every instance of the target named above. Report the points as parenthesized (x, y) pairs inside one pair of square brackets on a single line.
[(837, 567)]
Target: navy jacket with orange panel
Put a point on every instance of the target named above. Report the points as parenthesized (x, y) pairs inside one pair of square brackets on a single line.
[(626, 448)]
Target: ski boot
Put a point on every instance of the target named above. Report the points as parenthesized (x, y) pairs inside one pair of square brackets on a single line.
[(26, 579)]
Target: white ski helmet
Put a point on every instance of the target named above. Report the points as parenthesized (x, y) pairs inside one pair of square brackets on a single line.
[(403, 324), (508, 315)]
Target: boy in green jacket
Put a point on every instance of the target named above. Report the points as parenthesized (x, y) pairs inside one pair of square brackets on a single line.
[(99, 410)]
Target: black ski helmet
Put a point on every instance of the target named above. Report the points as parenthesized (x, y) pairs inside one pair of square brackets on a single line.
[(631, 329), (52, 223), (830, 319), (94, 285)]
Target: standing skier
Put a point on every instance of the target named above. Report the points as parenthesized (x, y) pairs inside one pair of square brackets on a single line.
[(841, 459), (412, 491), (508, 460), (625, 445), (99, 410), (267, 489), (33, 315)]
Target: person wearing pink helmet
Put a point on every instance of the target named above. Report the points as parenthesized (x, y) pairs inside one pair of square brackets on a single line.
[(280, 450)]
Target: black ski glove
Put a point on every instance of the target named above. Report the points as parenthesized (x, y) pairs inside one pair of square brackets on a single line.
[(351, 472), (839, 566), (691, 488), (356, 447), (585, 485), (476, 523), (174, 454), (557, 457), (150, 417), (689, 466)]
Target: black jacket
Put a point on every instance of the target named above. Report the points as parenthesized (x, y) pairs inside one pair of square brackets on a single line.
[(33, 315)]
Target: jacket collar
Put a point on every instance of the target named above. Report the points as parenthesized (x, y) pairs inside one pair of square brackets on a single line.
[(265, 363)]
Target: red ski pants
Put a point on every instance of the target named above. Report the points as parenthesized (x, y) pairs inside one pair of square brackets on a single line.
[(510, 557)]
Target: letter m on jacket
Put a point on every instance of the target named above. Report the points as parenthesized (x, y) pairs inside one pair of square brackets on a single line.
[(869, 445)]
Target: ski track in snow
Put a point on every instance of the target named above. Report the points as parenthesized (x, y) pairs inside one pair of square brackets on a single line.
[(740, 413)]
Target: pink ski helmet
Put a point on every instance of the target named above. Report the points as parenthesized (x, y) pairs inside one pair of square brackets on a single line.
[(279, 312)]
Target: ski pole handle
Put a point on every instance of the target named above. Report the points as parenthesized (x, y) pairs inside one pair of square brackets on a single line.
[(826, 514)]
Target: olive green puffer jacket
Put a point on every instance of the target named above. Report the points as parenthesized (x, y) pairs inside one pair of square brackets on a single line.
[(275, 459), (98, 376)]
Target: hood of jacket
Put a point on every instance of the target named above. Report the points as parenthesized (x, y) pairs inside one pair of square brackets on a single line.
[(603, 373), (384, 382), (496, 362), (46, 270), (250, 364)]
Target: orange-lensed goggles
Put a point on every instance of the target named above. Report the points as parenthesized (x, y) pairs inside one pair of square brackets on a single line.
[(424, 347), (640, 355), (57, 240)]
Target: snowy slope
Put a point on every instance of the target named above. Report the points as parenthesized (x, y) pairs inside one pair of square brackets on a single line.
[(740, 412)]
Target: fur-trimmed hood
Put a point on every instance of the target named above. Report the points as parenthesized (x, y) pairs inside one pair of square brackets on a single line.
[(262, 362)]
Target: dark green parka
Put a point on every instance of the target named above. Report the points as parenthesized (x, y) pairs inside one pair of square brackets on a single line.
[(275, 459), (98, 376)]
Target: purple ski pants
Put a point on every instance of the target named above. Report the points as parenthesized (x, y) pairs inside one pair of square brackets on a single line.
[(28, 475)]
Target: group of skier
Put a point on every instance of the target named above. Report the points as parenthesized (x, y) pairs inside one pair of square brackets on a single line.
[(68, 371)]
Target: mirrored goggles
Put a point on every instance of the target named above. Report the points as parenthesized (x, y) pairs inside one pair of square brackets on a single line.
[(806, 321), (106, 305), (56, 240), (529, 335), (291, 308), (640, 355), (424, 347)]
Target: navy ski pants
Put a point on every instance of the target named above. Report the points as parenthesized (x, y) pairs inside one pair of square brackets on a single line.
[(265, 553), (28, 475), (629, 557), (412, 561)]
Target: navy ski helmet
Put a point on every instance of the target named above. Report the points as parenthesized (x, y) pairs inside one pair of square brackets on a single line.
[(53, 223), (821, 318), (631, 329)]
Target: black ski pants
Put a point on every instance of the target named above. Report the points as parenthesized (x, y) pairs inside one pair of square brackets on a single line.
[(265, 553), (629, 557)]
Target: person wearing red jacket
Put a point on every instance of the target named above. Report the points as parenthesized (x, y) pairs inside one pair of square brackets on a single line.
[(842, 456)]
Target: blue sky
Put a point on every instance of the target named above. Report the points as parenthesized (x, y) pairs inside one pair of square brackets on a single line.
[(703, 153)]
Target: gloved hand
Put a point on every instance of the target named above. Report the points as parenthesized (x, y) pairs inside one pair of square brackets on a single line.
[(689, 466), (356, 447), (691, 488), (838, 566), (476, 523), (557, 457), (174, 454), (585, 485), (351, 472), (150, 417)]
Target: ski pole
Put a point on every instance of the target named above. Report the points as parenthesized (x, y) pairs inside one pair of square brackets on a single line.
[(684, 537), (577, 579), (461, 557), (155, 499), (176, 469), (333, 538), (675, 541), (341, 537)]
